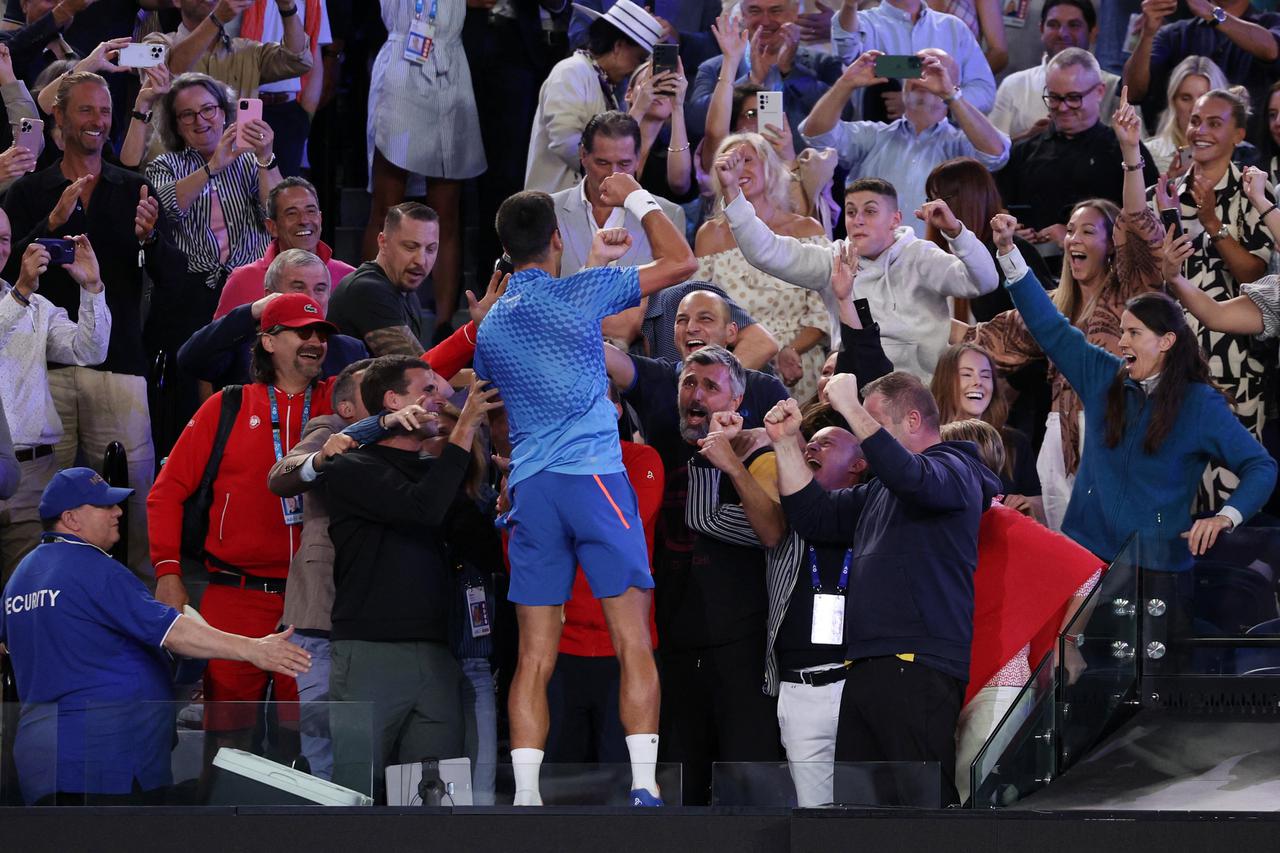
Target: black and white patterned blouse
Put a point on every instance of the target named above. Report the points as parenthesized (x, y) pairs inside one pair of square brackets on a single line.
[(1265, 293), (1240, 363), (237, 188)]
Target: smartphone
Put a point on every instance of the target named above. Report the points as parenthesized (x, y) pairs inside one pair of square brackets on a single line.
[(248, 110), (61, 250), (504, 265), (768, 110), (142, 55), (1172, 217), (863, 308), (30, 134), (899, 66), (665, 58)]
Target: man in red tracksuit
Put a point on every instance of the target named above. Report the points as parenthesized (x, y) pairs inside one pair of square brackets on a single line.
[(252, 533)]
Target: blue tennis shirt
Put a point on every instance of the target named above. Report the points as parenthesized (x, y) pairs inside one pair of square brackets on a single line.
[(541, 346), (84, 633)]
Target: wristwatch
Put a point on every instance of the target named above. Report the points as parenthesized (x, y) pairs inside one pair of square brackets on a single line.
[(957, 94), (1221, 234), (1218, 16), (145, 118)]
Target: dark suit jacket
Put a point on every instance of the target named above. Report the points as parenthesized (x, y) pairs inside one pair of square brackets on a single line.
[(219, 353)]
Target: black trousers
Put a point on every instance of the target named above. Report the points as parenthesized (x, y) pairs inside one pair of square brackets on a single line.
[(892, 710), (506, 82), (583, 699), (292, 126), (714, 709)]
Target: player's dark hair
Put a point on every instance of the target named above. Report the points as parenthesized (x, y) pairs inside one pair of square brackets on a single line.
[(525, 223)]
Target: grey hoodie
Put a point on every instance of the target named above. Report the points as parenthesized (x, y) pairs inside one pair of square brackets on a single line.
[(906, 286)]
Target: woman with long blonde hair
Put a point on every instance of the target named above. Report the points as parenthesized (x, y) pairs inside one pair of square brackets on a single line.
[(1190, 78), (798, 318)]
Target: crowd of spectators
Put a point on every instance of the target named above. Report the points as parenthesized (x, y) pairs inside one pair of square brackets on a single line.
[(835, 305)]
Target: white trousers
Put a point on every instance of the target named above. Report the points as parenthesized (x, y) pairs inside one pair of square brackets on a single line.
[(1055, 482), (978, 720), (808, 717)]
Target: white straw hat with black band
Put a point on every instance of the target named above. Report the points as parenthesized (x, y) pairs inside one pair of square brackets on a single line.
[(634, 22)]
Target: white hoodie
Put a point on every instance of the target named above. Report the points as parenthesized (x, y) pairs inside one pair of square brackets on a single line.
[(906, 286)]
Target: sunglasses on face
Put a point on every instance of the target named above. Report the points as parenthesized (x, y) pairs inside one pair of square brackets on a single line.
[(305, 333)]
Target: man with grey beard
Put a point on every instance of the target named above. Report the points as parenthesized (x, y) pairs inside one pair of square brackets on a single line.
[(714, 705), (703, 625)]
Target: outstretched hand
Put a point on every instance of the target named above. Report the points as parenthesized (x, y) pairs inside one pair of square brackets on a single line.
[(479, 308)]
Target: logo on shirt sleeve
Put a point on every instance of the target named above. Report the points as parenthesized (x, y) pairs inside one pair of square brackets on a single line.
[(254, 420)]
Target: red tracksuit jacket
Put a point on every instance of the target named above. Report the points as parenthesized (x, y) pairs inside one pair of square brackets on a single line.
[(246, 522)]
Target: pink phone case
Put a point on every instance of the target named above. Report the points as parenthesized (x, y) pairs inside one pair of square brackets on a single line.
[(248, 110), (30, 133)]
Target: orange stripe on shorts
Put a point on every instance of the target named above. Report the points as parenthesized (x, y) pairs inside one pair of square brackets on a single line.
[(612, 503)]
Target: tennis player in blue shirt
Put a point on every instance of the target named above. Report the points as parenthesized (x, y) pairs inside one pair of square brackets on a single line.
[(87, 641), (571, 501)]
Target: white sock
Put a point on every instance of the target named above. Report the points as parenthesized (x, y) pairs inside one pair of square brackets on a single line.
[(526, 763), (644, 762)]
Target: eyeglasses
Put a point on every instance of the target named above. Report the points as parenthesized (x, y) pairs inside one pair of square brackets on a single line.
[(1072, 99), (305, 333), (207, 113)]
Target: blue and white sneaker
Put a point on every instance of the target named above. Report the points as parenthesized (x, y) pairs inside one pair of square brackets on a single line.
[(642, 797)]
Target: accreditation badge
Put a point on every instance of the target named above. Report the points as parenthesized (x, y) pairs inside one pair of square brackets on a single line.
[(828, 620), (422, 37)]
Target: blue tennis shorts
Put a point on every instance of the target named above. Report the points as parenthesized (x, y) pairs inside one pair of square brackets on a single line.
[(561, 521)]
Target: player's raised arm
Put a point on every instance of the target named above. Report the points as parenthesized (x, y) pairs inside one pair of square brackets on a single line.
[(673, 260)]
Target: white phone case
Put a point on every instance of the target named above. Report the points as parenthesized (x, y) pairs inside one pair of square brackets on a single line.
[(768, 110), (142, 55)]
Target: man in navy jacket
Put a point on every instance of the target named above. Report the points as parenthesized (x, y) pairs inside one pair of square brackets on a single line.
[(219, 352), (914, 532)]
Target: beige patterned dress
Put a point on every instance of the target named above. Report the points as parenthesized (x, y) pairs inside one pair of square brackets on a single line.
[(783, 308)]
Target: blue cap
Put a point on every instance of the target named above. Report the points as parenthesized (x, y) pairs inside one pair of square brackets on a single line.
[(75, 487)]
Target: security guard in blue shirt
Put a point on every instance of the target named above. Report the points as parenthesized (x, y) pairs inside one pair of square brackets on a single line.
[(87, 641)]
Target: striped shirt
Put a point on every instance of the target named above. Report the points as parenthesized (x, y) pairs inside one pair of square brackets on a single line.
[(237, 188)]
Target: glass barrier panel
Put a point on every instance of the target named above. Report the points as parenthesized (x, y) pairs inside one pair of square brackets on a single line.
[(29, 770), (1220, 618), (841, 784), (230, 753), (1097, 678), (582, 784), (1019, 756)]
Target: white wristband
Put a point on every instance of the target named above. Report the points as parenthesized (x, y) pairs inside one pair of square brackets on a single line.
[(640, 203)]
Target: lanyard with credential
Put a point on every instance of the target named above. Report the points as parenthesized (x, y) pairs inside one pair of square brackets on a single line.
[(422, 34), (827, 628), (844, 571), (292, 507)]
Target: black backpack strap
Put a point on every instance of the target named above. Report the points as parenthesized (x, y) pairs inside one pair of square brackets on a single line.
[(232, 397)]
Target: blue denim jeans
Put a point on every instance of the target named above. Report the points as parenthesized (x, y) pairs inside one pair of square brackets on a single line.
[(481, 715), (313, 712)]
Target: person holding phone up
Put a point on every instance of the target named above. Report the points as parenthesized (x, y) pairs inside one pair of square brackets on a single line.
[(1230, 247), (905, 151), (772, 59), (214, 180)]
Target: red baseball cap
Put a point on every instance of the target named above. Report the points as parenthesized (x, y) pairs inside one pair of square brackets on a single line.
[(294, 311)]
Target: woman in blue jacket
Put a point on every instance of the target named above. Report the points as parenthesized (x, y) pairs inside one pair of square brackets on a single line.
[(1153, 421)]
